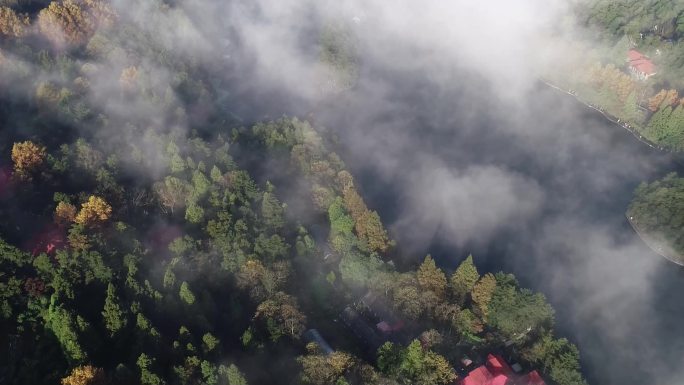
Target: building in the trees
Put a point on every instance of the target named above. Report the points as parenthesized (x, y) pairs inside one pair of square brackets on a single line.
[(640, 66), (388, 321), (496, 371)]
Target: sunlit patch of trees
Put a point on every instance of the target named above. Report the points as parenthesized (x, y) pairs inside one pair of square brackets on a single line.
[(13, 24), (93, 212), (28, 157), (72, 22)]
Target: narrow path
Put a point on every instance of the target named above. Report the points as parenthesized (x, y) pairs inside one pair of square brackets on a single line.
[(658, 247), (609, 117)]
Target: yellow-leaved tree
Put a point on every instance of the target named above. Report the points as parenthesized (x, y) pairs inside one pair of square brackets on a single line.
[(27, 157), (94, 212), (85, 375)]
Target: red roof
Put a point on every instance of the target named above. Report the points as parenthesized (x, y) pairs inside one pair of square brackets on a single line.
[(498, 365), (640, 62), (501, 379), (634, 55), (533, 378), (497, 372), (478, 376)]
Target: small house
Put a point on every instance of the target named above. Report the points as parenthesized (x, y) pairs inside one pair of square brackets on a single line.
[(640, 66), (496, 371)]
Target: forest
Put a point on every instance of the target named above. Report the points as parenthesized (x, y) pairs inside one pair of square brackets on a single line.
[(152, 237), (655, 28), (657, 210)]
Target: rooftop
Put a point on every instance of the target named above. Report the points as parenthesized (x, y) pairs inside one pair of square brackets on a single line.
[(496, 371)]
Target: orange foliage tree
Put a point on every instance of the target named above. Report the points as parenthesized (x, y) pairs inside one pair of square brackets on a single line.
[(85, 375), (27, 157), (93, 212), (663, 99)]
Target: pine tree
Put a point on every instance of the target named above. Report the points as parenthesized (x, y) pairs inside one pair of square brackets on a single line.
[(430, 277), (482, 294), (113, 316), (463, 279), (186, 294), (272, 209)]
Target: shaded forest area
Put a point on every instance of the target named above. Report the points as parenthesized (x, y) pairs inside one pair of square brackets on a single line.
[(149, 238)]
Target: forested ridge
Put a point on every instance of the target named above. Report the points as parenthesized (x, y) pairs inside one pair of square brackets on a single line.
[(151, 237)]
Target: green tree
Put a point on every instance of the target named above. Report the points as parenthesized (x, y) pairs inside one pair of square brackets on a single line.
[(210, 342), (233, 375), (482, 294), (61, 322), (113, 316), (186, 294), (514, 312), (430, 277), (282, 316), (147, 377), (415, 365), (463, 279), (272, 210), (194, 213)]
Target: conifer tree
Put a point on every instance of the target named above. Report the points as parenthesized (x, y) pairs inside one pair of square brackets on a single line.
[(113, 316), (463, 279), (430, 277)]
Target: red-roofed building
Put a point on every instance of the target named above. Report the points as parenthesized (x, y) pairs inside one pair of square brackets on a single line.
[(497, 365), (501, 379), (639, 65), (496, 371), (532, 378), (478, 376)]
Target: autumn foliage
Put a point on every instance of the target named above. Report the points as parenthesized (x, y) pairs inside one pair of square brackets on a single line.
[(612, 78), (368, 226), (71, 22), (27, 157), (12, 24), (94, 212), (85, 375), (663, 99), (65, 213)]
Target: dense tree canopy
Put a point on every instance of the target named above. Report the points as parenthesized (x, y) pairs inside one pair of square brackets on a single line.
[(150, 236), (657, 211)]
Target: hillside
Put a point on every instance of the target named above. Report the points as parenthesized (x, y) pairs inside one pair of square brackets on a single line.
[(153, 235)]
